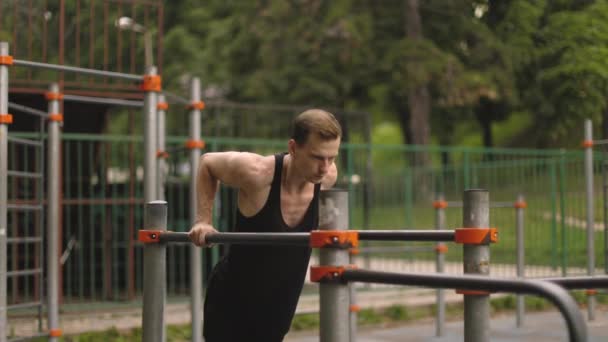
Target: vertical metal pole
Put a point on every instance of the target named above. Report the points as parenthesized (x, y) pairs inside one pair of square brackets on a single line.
[(590, 213), (196, 262), (153, 316), (333, 297), (53, 216), (3, 191), (476, 258), (150, 104), (441, 248), (161, 171), (354, 306), (519, 238), (605, 208)]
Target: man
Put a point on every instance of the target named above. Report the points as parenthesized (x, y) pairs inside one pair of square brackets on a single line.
[(253, 291)]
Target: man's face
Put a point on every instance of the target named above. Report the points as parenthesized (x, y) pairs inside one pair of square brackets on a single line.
[(314, 159)]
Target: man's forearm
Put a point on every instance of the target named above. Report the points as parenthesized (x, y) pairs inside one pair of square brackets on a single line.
[(206, 188)]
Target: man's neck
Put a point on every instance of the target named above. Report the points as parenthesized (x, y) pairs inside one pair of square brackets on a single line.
[(292, 181)]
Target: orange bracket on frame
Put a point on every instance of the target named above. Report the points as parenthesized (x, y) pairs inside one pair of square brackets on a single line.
[(6, 119), (55, 333), (334, 238), (590, 292), (200, 105), (6, 60), (328, 273), (162, 106), (50, 96), (192, 144), (587, 143), (441, 248), (476, 236), (149, 236), (520, 205), (151, 83), (57, 117), (440, 204), (162, 154)]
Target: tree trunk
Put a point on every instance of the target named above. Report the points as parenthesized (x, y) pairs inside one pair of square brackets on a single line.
[(419, 102), (419, 99)]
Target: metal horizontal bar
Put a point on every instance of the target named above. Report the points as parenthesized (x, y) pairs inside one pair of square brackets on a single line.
[(24, 272), (103, 100), (24, 240), (600, 142), (66, 68), (24, 141), (24, 305), (502, 204), (583, 282), (24, 207), (176, 98), (406, 235), (25, 174), (301, 239), (28, 110), (576, 324)]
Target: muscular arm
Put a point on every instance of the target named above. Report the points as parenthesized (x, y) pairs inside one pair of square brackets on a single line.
[(241, 170)]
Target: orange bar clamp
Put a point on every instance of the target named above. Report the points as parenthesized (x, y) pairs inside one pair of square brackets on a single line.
[(334, 238), (476, 236)]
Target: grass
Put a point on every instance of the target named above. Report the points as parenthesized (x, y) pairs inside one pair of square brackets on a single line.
[(392, 315)]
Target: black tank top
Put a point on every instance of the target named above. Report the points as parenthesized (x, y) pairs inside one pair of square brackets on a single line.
[(253, 291)]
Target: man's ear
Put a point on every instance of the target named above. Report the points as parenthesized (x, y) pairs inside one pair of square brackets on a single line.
[(291, 145)]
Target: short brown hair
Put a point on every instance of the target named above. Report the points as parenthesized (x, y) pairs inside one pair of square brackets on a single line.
[(317, 121)]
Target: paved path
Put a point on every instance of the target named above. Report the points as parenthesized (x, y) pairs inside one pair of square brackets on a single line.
[(538, 327)]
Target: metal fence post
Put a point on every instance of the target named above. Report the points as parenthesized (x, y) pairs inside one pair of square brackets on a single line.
[(151, 86), (196, 263), (441, 248), (520, 205), (590, 214), (3, 188), (53, 193), (155, 281), (161, 154), (333, 297), (476, 259)]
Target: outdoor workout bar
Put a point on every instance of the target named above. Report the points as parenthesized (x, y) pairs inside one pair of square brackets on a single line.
[(102, 100), (297, 238), (27, 110), (559, 296), (57, 67)]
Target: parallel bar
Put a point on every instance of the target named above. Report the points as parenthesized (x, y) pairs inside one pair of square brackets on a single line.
[(476, 260), (590, 203), (92, 72), (21, 273), (4, 51), (584, 282), (24, 240), (24, 207), (406, 235), (53, 214), (244, 238), (176, 98), (577, 328), (25, 141), (196, 257), (27, 110), (103, 100), (155, 270), (397, 249), (22, 174), (24, 305)]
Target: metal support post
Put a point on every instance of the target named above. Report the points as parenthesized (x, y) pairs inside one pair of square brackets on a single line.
[(590, 213), (476, 259), (520, 205), (150, 104), (3, 190), (196, 261), (161, 165), (54, 157), (155, 282), (441, 248), (334, 297)]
